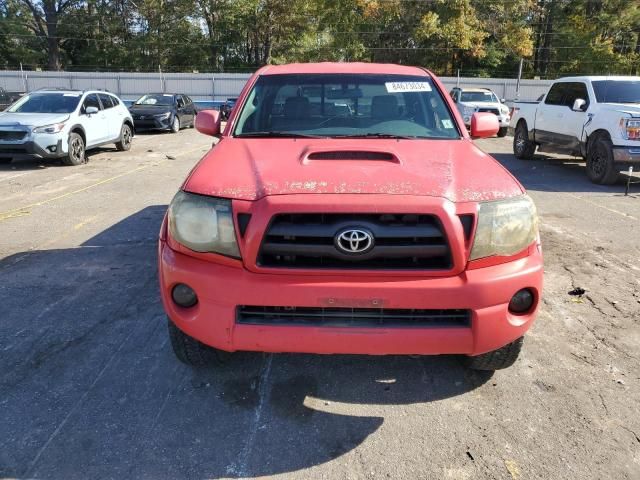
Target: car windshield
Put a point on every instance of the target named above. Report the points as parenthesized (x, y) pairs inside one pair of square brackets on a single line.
[(345, 105), (617, 91), (46, 102), (478, 97), (155, 99)]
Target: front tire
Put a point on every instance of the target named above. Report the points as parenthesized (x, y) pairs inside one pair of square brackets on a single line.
[(601, 168), (175, 125), (497, 359), (503, 132), (523, 148), (192, 352), (76, 151), (125, 138)]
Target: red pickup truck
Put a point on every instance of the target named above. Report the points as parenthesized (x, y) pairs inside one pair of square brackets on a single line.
[(345, 209)]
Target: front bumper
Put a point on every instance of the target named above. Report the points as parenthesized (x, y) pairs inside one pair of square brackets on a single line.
[(626, 154), (41, 148), (503, 120), (221, 288), (152, 123)]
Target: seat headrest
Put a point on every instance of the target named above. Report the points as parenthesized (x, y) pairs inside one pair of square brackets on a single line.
[(297, 107), (384, 107)]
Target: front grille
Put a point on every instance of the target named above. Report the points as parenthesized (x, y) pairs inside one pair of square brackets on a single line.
[(495, 111), (401, 242), (12, 149), (12, 135), (352, 317)]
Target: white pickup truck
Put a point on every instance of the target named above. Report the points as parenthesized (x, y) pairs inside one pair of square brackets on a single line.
[(597, 118)]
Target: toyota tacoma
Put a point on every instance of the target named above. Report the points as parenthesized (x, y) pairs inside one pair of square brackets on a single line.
[(375, 229)]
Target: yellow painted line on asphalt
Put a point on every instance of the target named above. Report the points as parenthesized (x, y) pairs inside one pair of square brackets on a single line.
[(612, 210), (22, 211), (68, 233)]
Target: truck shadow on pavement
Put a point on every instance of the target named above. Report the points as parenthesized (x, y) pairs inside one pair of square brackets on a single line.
[(89, 387), (545, 173)]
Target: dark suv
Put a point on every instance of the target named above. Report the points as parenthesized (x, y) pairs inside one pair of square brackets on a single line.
[(163, 111)]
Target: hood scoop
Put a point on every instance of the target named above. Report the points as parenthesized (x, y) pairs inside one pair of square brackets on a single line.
[(351, 155)]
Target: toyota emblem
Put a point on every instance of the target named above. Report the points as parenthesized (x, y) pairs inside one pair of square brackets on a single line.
[(354, 240)]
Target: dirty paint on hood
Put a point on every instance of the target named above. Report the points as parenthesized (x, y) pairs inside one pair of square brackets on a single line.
[(249, 169)]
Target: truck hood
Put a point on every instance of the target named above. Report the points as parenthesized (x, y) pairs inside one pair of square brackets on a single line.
[(31, 119), (249, 169), (630, 108)]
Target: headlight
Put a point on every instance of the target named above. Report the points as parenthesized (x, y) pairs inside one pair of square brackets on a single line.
[(203, 224), (505, 227), (630, 128), (163, 116), (504, 110), (54, 128)]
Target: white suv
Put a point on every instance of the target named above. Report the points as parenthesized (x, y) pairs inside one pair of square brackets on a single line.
[(472, 100), (63, 124)]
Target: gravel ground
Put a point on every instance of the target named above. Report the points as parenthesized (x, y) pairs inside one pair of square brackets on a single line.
[(89, 387)]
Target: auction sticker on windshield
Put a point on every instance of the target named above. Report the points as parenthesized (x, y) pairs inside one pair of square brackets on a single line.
[(400, 87)]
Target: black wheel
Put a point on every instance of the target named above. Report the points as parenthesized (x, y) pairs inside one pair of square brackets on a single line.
[(5, 161), (503, 132), (175, 125), (498, 359), (125, 138), (523, 148), (192, 352), (601, 168), (76, 155)]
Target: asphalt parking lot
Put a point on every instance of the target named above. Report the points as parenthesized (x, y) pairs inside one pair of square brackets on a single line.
[(89, 387)]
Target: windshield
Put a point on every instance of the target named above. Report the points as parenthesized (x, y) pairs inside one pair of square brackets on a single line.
[(46, 103), (478, 97), (155, 99), (345, 105), (617, 91)]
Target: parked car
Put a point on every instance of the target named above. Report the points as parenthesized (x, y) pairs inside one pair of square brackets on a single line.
[(471, 100), (63, 124), (163, 111), (597, 118), (311, 230), (225, 109), (7, 98)]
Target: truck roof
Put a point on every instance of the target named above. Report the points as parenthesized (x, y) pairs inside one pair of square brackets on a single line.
[(592, 78), (341, 67)]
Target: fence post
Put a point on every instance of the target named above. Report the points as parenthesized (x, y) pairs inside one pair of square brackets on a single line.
[(213, 88), (70, 81)]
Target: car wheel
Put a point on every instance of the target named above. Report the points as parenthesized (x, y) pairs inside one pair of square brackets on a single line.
[(497, 359), (175, 125), (601, 168), (76, 155), (5, 161), (523, 148), (192, 352), (126, 135), (503, 132)]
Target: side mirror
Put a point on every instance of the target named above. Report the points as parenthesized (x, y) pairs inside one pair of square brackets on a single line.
[(91, 110), (579, 105), (484, 124), (208, 122), (502, 100)]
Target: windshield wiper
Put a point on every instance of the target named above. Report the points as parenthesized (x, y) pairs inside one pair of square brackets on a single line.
[(376, 135), (277, 135)]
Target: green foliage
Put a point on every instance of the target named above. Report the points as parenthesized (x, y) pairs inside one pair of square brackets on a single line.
[(477, 37)]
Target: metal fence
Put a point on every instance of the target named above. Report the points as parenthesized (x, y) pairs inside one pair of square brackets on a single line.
[(214, 87)]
